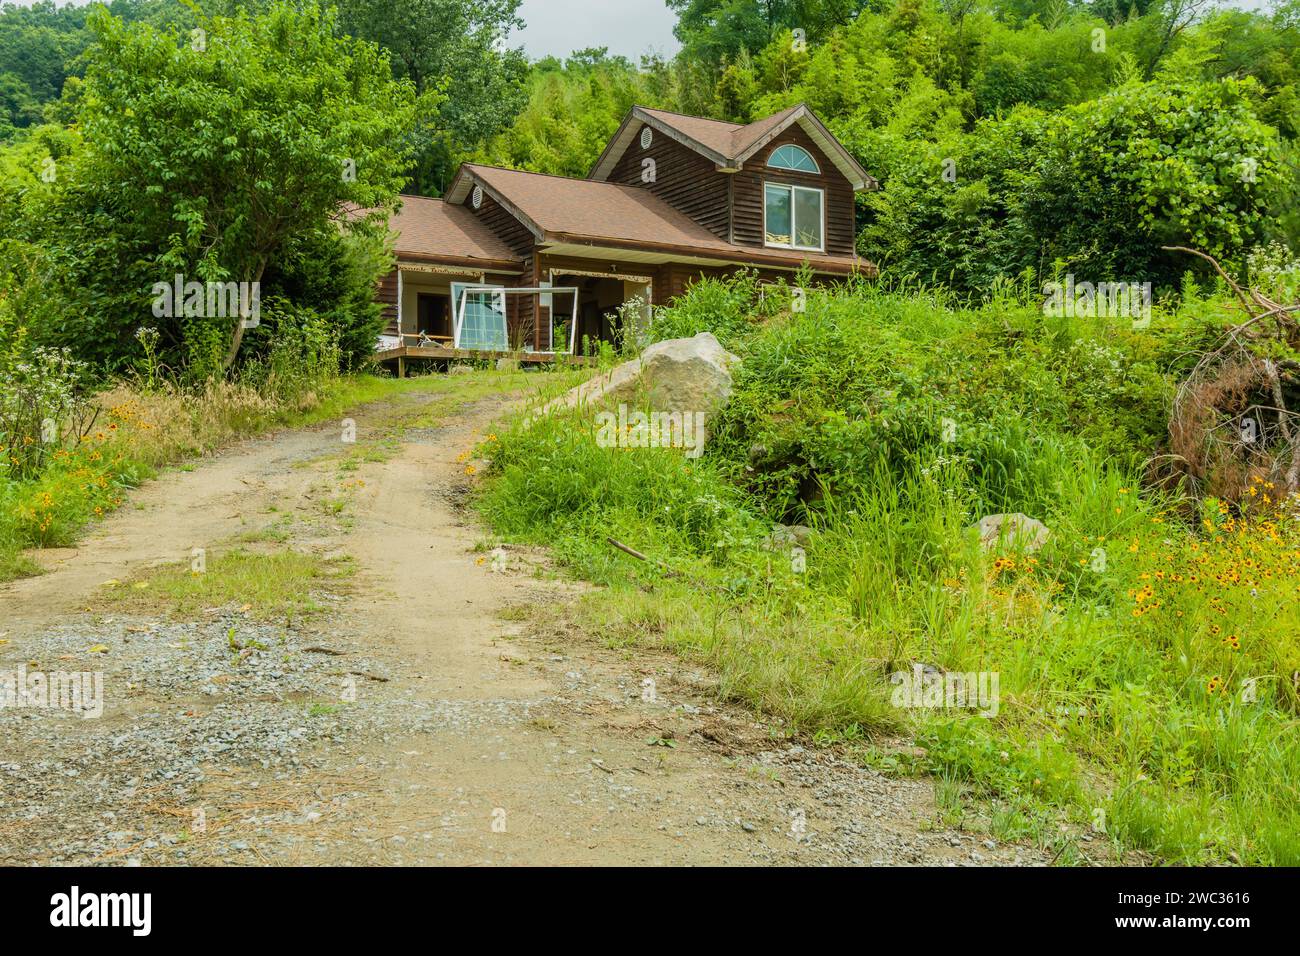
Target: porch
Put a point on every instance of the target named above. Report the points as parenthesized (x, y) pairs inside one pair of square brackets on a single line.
[(401, 355), (443, 313)]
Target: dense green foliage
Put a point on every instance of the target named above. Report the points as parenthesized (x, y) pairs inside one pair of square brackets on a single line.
[(41, 46), (453, 47), (1143, 688), (573, 108), (248, 146), (1095, 189), (820, 405)]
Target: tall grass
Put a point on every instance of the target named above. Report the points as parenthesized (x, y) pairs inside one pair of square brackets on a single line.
[(1145, 654)]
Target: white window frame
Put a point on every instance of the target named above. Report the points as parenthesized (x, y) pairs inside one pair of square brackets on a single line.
[(815, 171), (460, 298), (821, 196), (464, 289)]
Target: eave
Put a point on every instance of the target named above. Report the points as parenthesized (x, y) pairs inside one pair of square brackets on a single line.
[(736, 255)]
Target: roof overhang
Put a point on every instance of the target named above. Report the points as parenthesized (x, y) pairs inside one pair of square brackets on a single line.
[(460, 263), (659, 253), (466, 179)]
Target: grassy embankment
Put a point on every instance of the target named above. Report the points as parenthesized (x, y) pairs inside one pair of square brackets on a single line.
[(1145, 656)]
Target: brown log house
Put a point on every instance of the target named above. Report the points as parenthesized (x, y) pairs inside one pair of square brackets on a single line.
[(672, 198)]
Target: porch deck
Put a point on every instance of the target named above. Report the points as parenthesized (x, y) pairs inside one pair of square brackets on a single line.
[(442, 353)]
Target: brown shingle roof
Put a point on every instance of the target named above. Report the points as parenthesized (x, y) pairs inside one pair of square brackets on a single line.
[(747, 136), (583, 207), (436, 229), (586, 210), (715, 134), (729, 139)]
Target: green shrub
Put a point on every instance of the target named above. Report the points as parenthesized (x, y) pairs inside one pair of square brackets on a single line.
[(869, 377), (554, 478), (728, 307)]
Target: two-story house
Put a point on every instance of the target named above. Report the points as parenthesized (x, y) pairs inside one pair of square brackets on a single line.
[(670, 199)]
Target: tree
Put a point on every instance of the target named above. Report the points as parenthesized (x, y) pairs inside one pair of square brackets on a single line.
[(716, 31), (573, 109), (17, 105), (1172, 17), (207, 155), (1097, 188), (456, 47), (41, 47), (1158, 164)]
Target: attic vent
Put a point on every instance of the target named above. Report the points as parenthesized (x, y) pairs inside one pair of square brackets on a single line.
[(476, 197), (647, 137)]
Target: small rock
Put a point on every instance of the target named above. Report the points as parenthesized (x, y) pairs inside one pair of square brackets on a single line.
[(786, 536), (1013, 530)]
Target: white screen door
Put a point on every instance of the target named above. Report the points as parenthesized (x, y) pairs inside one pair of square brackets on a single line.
[(480, 317)]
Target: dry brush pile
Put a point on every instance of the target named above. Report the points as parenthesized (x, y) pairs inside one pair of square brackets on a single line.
[(1235, 422)]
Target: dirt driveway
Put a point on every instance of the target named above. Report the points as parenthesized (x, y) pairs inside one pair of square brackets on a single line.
[(434, 707)]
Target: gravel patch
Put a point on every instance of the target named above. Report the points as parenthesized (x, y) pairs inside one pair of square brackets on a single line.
[(191, 705)]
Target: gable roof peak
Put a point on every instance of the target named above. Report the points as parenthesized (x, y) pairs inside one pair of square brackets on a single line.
[(727, 144)]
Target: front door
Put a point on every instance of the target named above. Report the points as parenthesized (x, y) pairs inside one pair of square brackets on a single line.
[(433, 315)]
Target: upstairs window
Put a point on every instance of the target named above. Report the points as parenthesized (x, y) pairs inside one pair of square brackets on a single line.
[(792, 217), (794, 158)]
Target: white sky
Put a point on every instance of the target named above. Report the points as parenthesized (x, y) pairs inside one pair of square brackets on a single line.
[(627, 27)]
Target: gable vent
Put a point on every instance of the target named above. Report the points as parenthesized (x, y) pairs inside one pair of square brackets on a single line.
[(647, 137), (476, 197)]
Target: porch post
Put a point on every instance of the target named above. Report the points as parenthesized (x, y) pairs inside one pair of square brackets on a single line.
[(401, 332)]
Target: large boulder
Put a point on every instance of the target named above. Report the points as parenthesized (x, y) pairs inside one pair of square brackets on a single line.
[(676, 375), (1012, 530)]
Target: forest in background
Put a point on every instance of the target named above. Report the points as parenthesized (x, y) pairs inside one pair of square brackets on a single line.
[(1008, 136)]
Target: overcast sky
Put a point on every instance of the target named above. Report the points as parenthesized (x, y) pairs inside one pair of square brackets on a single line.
[(627, 27)]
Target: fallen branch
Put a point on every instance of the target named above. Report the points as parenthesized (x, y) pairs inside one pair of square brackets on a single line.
[(668, 572), (1223, 385), (1217, 268)]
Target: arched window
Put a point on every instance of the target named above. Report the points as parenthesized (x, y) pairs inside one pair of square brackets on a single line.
[(792, 157)]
